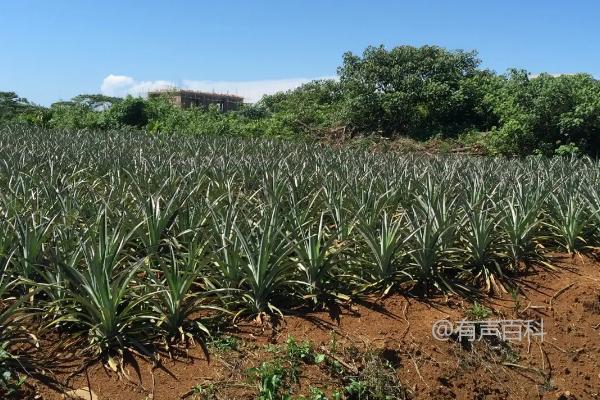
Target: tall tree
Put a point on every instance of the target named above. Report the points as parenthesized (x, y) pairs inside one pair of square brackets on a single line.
[(412, 91), (11, 106)]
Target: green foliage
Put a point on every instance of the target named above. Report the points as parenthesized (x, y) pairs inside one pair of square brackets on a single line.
[(315, 257), (126, 240), (71, 115), (230, 223), (132, 111), (298, 354), (317, 394), (271, 378), (411, 92), (567, 150), (567, 218), (541, 114), (384, 241), (96, 102), (12, 335), (11, 106), (99, 299), (10, 380), (85, 111), (479, 312), (205, 392), (309, 109), (377, 380), (225, 343), (175, 301)]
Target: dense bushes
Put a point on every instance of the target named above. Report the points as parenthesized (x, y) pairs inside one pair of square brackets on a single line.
[(416, 92), (409, 91), (546, 113)]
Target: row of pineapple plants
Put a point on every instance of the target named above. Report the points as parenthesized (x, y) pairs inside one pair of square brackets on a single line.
[(115, 241)]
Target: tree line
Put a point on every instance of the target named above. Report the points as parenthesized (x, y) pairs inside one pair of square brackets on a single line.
[(421, 93)]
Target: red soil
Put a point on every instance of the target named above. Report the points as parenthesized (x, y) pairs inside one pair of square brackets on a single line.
[(566, 365)]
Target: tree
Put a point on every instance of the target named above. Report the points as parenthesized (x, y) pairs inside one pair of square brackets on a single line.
[(411, 91), (11, 106), (131, 111), (73, 115), (540, 114), (310, 108), (96, 102)]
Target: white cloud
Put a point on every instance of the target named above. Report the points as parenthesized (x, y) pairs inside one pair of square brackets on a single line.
[(121, 85), (555, 75), (252, 91), (114, 84)]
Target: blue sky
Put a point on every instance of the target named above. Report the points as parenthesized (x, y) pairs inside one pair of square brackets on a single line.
[(51, 50)]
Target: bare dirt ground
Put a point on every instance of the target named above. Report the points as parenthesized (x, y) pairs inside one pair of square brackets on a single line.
[(566, 365)]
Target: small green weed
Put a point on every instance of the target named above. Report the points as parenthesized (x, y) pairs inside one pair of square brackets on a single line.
[(478, 312), (208, 392), (272, 379), (225, 343), (10, 380)]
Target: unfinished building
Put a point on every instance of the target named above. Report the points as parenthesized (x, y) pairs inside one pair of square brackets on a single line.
[(192, 98)]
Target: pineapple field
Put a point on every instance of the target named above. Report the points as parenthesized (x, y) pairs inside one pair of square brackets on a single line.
[(129, 254)]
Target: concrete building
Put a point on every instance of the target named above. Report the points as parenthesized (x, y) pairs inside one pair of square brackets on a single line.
[(192, 98)]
